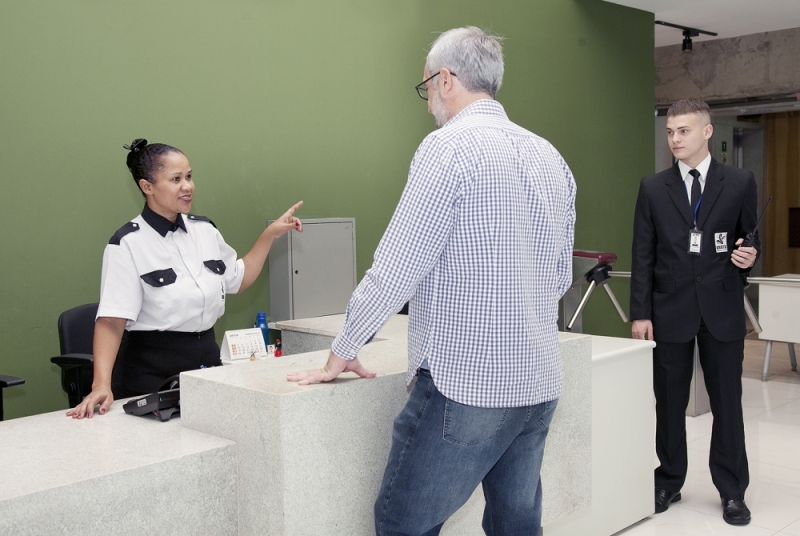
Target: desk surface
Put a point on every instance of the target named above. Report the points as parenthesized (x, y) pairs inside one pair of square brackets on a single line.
[(50, 450), (609, 348), (396, 327)]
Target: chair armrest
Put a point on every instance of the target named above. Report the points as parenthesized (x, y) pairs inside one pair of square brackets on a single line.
[(10, 381), (76, 375), (73, 360)]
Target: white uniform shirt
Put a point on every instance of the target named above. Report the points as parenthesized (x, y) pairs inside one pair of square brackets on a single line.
[(481, 245), (162, 276)]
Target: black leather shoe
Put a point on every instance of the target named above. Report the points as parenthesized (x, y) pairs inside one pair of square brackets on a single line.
[(664, 498), (735, 512)]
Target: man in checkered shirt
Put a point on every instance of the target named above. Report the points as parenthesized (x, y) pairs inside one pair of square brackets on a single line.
[(481, 246)]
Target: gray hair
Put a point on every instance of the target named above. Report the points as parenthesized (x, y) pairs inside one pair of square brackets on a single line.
[(475, 57)]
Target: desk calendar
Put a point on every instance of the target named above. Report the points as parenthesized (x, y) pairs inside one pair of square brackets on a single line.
[(243, 344)]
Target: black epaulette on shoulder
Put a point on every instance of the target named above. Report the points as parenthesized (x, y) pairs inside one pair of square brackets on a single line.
[(195, 217), (129, 227)]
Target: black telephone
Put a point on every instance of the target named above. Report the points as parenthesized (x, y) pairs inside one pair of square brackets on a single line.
[(164, 403)]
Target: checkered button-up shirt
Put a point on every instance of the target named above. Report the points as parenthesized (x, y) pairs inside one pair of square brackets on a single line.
[(481, 245)]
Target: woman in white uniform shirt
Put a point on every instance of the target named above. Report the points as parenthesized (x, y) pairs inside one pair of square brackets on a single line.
[(165, 277)]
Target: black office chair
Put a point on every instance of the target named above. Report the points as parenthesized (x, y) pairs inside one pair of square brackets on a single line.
[(75, 335), (7, 381)]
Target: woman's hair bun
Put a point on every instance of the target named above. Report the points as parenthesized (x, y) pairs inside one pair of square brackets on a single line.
[(135, 145), (144, 160)]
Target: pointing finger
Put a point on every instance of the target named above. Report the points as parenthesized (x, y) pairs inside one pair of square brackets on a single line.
[(294, 207)]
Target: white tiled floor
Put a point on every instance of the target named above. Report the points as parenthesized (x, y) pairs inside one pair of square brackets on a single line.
[(772, 429)]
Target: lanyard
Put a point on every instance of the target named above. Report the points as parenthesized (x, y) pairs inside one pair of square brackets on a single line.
[(696, 208)]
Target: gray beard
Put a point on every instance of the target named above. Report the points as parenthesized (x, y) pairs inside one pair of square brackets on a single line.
[(438, 111)]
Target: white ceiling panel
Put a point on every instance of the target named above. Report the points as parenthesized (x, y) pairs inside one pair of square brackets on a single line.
[(728, 18)]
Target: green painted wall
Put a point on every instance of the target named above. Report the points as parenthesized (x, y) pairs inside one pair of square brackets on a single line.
[(276, 101)]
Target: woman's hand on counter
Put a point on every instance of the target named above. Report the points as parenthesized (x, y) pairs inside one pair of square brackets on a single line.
[(335, 366), (102, 396), (107, 337)]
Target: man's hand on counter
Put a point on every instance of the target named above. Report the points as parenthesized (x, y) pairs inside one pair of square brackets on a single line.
[(642, 329), (335, 366)]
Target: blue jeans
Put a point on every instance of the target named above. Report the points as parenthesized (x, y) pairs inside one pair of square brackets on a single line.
[(441, 450)]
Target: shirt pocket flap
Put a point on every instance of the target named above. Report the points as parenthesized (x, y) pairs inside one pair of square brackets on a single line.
[(160, 278), (218, 267), (666, 286)]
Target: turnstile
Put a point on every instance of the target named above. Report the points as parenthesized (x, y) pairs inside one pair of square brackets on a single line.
[(591, 268), (594, 268)]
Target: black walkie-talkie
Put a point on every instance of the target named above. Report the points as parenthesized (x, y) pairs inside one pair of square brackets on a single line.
[(750, 238)]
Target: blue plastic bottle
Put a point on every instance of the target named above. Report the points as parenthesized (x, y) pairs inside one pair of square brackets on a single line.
[(261, 322)]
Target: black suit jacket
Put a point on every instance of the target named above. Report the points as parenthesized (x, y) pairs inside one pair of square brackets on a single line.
[(674, 288)]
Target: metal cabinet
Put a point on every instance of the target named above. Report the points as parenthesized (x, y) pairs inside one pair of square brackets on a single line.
[(313, 273)]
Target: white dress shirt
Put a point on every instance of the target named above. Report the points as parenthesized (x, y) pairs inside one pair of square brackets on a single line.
[(702, 167)]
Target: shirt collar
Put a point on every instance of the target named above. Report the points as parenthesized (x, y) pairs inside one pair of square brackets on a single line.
[(161, 224), (702, 167), (479, 107)]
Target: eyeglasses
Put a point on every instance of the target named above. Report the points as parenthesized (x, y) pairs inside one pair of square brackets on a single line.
[(422, 90)]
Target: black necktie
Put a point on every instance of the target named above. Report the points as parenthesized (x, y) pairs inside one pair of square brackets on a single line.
[(695, 187)]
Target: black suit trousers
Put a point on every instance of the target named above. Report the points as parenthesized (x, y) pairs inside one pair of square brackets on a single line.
[(672, 374)]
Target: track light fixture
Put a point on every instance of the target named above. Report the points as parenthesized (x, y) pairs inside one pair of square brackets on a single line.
[(688, 33), (687, 40)]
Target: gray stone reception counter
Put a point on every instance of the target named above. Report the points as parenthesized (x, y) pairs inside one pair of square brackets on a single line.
[(255, 454), (311, 458), (114, 474)]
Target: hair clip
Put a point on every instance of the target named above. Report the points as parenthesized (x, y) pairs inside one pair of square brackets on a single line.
[(135, 145)]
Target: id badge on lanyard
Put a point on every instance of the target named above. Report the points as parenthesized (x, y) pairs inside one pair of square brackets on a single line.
[(695, 241), (696, 235)]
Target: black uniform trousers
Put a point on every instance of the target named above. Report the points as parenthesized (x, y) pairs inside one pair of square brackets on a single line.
[(147, 358), (672, 374)]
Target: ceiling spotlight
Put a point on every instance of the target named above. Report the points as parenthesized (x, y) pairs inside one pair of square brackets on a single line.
[(687, 41), (688, 33)]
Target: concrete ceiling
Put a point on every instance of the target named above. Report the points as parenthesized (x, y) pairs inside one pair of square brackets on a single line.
[(728, 18)]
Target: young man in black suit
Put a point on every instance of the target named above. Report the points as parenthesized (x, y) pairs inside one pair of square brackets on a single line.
[(687, 282)]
